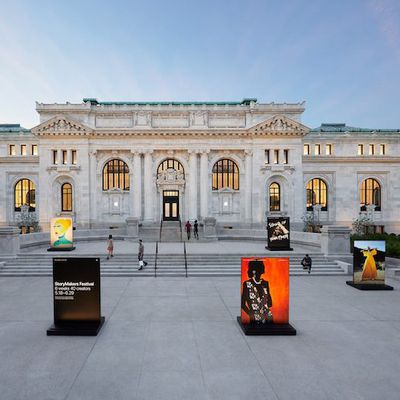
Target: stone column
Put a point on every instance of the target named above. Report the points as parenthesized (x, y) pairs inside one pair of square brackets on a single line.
[(148, 185), (204, 184), (9, 242), (335, 239), (248, 188), (193, 184), (137, 185), (93, 188)]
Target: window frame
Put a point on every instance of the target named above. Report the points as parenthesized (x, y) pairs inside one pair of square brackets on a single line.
[(120, 177), (367, 192), (274, 206), (317, 189), (225, 175), (66, 197), (20, 192)]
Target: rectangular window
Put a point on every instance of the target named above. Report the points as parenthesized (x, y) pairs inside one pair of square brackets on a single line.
[(55, 157), (276, 156), (360, 149), (64, 156), (23, 149), (317, 149), (371, 149), (34, 150), (382, 149), (11, 150), (328, 149), (267, 157), (286, 156), (306, 150), (74, 159)]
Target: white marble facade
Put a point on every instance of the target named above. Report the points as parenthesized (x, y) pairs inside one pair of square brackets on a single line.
[(197, 135)]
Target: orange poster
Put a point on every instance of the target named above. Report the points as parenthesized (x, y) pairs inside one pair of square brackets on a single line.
[(265, 290)]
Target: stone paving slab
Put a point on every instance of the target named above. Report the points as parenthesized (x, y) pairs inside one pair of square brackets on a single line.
[(177, 338)]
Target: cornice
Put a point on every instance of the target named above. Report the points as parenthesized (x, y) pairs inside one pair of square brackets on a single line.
[(350, 160), (19, 160)]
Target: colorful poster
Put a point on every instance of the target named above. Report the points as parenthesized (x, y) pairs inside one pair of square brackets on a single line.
[(278, 230), (369, 261), (265, 290), (61, 233)]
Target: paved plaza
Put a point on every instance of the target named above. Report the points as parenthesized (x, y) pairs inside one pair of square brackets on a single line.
[(179, 339)]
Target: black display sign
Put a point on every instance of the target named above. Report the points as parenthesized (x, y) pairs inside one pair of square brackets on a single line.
[(278, 230), (76, 294)]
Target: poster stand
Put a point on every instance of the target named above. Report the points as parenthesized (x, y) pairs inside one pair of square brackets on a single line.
[(278, 234), (368, 286), (267, 329), (76, 328), (61, 249)]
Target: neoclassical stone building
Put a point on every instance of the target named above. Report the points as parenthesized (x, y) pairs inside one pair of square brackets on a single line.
[(102, 162)]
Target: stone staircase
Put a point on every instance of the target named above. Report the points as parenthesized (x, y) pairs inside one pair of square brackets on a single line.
[(168, 265)]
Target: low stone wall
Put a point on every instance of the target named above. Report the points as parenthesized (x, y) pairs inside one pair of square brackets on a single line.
[(80, 235)]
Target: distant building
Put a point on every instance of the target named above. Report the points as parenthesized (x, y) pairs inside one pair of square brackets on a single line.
[(239, 162)]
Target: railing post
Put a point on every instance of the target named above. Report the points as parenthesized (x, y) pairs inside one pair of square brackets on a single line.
[(184, 252), (155, 261)]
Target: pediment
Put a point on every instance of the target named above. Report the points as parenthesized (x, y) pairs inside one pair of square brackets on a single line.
[(61, 125), (279, 125)]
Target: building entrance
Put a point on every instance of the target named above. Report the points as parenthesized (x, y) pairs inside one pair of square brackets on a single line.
[(170, 205)]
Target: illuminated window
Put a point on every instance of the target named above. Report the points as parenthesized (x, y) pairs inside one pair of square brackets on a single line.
[(317, 149), (370, 193), (34, 150), (170, 163), (66, 197), (64, 156), (371, 149), (276, 156), (360, 149), (382, 149), (328, 149), (24, 194), (274, 197), (55, 157), (317, 194), (225, 174), (11, 150), (306, 149), (74, 157), (23, 149), (286, 156), (266, 156), (115, 175)]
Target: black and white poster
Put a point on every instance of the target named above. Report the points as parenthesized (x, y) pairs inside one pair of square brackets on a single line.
[(278, 231)]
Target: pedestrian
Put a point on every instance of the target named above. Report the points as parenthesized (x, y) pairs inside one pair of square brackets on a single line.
[(110, 247), (196, 229), (142, 263), (188, 228), (306, 262)]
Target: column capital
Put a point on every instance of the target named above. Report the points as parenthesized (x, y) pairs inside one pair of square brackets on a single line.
[(147, 151), (136, 152), (248, 152), (204, 151)]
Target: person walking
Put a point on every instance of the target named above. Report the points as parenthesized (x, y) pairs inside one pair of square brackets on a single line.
[(188, 228), (196, 229), (110, 247), (306, 262), (142, 263)]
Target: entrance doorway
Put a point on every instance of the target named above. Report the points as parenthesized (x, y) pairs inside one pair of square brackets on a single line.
[(170, 205)]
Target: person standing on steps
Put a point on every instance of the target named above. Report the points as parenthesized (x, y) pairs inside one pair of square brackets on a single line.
[(306, 262), (142, 263), (196, 229), (188, 228), (110, 247)]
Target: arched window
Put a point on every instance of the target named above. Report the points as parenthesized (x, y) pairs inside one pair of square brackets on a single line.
[(116, 175), (370, 193), (317, 194), (274, 197), (225, 174), (170, 163), (66, 197), (24, 194)]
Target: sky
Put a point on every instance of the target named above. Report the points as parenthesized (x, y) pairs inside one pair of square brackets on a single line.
[(342, 57)]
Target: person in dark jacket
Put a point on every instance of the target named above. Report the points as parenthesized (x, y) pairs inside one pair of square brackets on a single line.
[(141, 255), (196, 229), (306, 262), (188, 228)]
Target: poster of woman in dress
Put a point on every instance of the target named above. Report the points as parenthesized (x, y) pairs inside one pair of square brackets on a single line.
[(369, 261), (265, 291)]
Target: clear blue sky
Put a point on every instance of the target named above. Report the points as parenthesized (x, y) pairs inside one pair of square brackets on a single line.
[(342, 57)]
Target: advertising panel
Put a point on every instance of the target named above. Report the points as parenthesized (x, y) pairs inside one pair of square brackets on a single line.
[(61, 233), (369, 262), (278, 232)]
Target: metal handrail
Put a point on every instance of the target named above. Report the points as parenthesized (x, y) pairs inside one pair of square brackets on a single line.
[(159, 235), (180, 226), (155, 261), (184, 252)]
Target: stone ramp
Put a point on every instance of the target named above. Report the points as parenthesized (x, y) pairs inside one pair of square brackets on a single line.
[(167, 264)]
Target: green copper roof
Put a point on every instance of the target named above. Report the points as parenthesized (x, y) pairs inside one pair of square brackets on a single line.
[(343, 128), (13, 128), (167, 103)]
